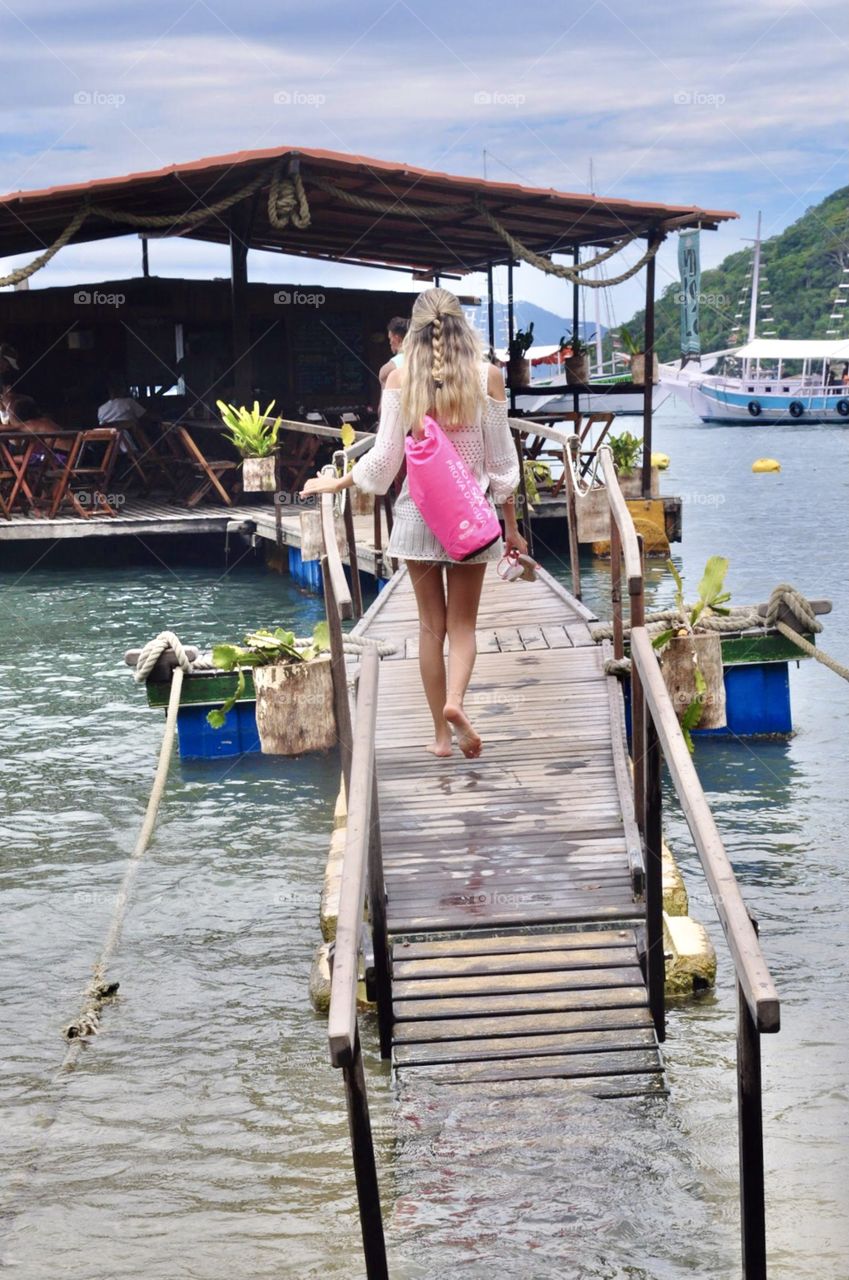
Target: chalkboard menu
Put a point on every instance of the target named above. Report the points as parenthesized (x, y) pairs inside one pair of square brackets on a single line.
[(328, 354)]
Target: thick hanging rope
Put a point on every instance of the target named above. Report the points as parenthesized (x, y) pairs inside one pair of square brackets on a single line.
[(561, 270), (29, 269), (287, 201)]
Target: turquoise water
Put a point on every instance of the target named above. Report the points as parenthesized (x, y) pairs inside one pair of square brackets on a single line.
[(203, 1134)]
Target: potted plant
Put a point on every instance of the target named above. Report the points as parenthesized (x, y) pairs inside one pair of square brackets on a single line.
[(536, 473), (518, 366), (255, 436), (574, 353), (294, 689), (637, 364), (362, 503), (691, 654), (626, 450)]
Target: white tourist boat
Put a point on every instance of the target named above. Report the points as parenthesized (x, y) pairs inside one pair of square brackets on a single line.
[(767, 380)]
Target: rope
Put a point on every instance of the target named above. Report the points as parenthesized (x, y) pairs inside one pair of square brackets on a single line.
[(24, 273), (100, 989), (813, 652), (287, 201), (396, 205), (356, 644), (153, 651), (561, 270)]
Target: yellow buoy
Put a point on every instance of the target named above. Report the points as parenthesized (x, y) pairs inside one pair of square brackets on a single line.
[(766, 464), (660, 460)]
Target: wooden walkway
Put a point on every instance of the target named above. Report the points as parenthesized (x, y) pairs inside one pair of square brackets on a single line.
[(510, 879)]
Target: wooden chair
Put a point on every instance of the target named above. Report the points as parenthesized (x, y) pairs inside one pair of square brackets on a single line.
[(208, 474), (81, 477), (149, 460), (296, 459)]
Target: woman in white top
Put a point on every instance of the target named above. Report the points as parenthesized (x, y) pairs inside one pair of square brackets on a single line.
[(443, 375)]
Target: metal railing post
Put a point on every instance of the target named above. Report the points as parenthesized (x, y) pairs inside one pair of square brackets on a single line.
[(653, 840), (570, 461), (751, 1140), (380, 940), (365, 1167)]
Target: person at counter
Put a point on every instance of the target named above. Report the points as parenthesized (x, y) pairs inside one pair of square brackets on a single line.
[(119, 407), (396, 332)]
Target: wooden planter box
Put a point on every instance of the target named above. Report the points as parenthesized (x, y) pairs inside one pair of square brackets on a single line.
[(577, 368), (294, 707), (258, 475), (638, 370), (519, 372), (362, 503), (677, 663)]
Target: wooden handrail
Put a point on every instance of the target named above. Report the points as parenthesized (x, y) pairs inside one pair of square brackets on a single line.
[(752, 971), (342, 1021), (621, 515), (341, 590)]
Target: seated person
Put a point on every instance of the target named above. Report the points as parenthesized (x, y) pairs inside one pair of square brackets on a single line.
[(119, 407), (8, 399), (396, 332)]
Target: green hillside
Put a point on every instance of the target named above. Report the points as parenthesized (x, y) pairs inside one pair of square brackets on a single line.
[(803, 266)]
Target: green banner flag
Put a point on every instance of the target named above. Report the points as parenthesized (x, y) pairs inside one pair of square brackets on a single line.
[(689, 268)]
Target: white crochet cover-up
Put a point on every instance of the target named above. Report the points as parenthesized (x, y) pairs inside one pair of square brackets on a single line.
[(487, 449)]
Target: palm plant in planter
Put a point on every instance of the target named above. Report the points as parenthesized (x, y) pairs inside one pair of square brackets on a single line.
[(576, 361), (691, 654), (638, 360), (294, 689), (518, 367), (626, 450), (255, 436)]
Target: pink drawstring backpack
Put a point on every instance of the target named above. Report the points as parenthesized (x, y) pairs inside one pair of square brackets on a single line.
[(447, 495)]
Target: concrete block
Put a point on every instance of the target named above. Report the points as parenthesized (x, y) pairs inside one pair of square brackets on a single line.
[(690, 957)]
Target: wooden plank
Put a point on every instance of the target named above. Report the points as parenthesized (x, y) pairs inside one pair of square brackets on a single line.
[(509, 962), (508, 1048), (560, 913), (497, 944), (470, 1028), (531, 1002), (518, 983), (508, 640), (566, 1066)]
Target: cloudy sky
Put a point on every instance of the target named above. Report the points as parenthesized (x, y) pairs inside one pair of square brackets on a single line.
[(727, 105)]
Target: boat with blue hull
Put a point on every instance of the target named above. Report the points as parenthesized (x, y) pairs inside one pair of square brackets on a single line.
[(768, 380)]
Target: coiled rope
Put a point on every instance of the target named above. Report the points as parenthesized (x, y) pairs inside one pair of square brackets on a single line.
[(739, 619)]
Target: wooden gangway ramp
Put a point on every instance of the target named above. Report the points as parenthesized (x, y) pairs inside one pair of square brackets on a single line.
[(514, 881)]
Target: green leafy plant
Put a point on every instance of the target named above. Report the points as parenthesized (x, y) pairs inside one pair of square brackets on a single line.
[(712, 598), (626, 449), (251, 430), (629, 342), (574, 345), (263, 649), (521, 342), (535, 473)]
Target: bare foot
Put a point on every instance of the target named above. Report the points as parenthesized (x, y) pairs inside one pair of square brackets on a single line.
[(441, 747), (469, 740)]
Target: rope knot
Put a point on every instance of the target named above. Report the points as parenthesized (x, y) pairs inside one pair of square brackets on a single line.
[(787, 595), (287, 202)]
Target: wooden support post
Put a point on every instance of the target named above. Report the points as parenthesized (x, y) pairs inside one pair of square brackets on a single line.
[(653, 840), (510, 327), (648, 348), (380, 940), (239, 222), (340, 681), (351, 538), (637, 617), (751, 1140), (365, 1167), (616, 593), (576, 320), (490, 307), (525, 518), (572, 517)]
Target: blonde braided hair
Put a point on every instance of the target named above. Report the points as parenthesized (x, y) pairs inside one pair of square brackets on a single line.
[(442, 359)]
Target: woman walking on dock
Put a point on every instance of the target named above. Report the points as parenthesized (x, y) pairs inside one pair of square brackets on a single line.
[(445, 376)]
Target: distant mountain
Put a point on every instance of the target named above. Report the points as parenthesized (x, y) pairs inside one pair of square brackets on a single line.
[(548, 327), (802, 267)]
